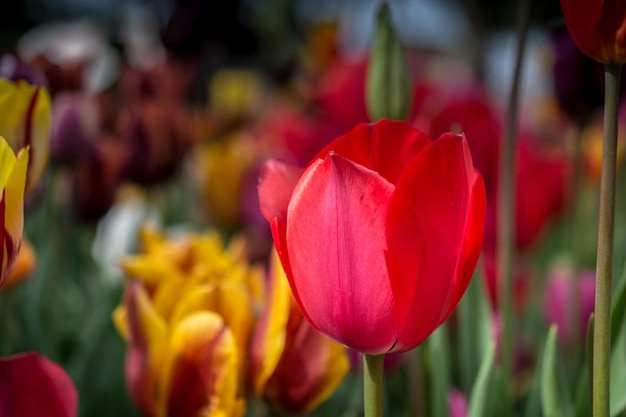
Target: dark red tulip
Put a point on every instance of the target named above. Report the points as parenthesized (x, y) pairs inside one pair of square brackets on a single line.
[(598, 27), (31, 385)]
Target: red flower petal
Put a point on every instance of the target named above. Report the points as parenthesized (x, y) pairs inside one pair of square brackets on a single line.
[(276, 183), (430, 213), (389, 147), (31, 385), (336, 238)]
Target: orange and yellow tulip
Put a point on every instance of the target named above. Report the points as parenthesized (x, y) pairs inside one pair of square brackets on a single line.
[(187, 317)]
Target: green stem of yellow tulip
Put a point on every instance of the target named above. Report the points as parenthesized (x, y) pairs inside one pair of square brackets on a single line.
[(604, 260), (373, 385), (506, 206)]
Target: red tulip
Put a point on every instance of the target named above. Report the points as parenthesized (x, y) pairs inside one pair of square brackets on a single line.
[(379, 235), (597, 27), (31, 385)]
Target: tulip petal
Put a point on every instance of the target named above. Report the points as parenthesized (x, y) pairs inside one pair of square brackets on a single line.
[(202, 368), (148, 336), (25, 121), (271, 331), (276, 183), (231, 301), (336, 238), (310, 369), (390, 146), (433, 236), (31, 385)]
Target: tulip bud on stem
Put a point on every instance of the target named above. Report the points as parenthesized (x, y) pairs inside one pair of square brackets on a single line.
[(373, 385), (604, 261)]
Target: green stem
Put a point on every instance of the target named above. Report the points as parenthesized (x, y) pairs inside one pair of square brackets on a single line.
[(506, 206), (604, 262), (373, 385)]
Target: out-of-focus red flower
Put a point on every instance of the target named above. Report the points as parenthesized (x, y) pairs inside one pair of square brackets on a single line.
[(598, 27), (157, 136), (95, 180), (296, 134), (541, 185), (541, 175), (341, 92), (393, 222), (31, 385), (293, 367), (467, 110), (76, 123), (168, 80), (521, 283)]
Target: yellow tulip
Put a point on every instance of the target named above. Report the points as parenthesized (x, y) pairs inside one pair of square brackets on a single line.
[(25, 121), (188, 317), (12, 183)]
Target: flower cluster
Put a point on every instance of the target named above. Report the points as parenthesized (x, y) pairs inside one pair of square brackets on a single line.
[(189, 316)]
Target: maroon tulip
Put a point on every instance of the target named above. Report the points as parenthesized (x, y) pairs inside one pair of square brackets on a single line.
[(31, 385), (598, 27), (379, 235)]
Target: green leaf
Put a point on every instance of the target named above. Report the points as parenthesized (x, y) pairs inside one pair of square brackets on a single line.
[(582, 400), (503, 404), (481, 400), (439, 362), (475, 330), (618, 376), (555, 400), (388, 80), (618, 309)]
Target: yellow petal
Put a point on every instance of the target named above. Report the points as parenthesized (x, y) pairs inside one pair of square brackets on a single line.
[(25, 121), (151, 270), (120, 320), (232, 302), (40, 137), (269, 338), (201, 369), (147, 348)]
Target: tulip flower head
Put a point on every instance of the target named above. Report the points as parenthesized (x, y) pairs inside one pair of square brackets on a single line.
[(12, 182), (379, 235), (598, 28), (187, 317)]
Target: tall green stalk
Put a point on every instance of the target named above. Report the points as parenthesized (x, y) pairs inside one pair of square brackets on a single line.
[(604, 260), (373, 385), (506, 207)]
